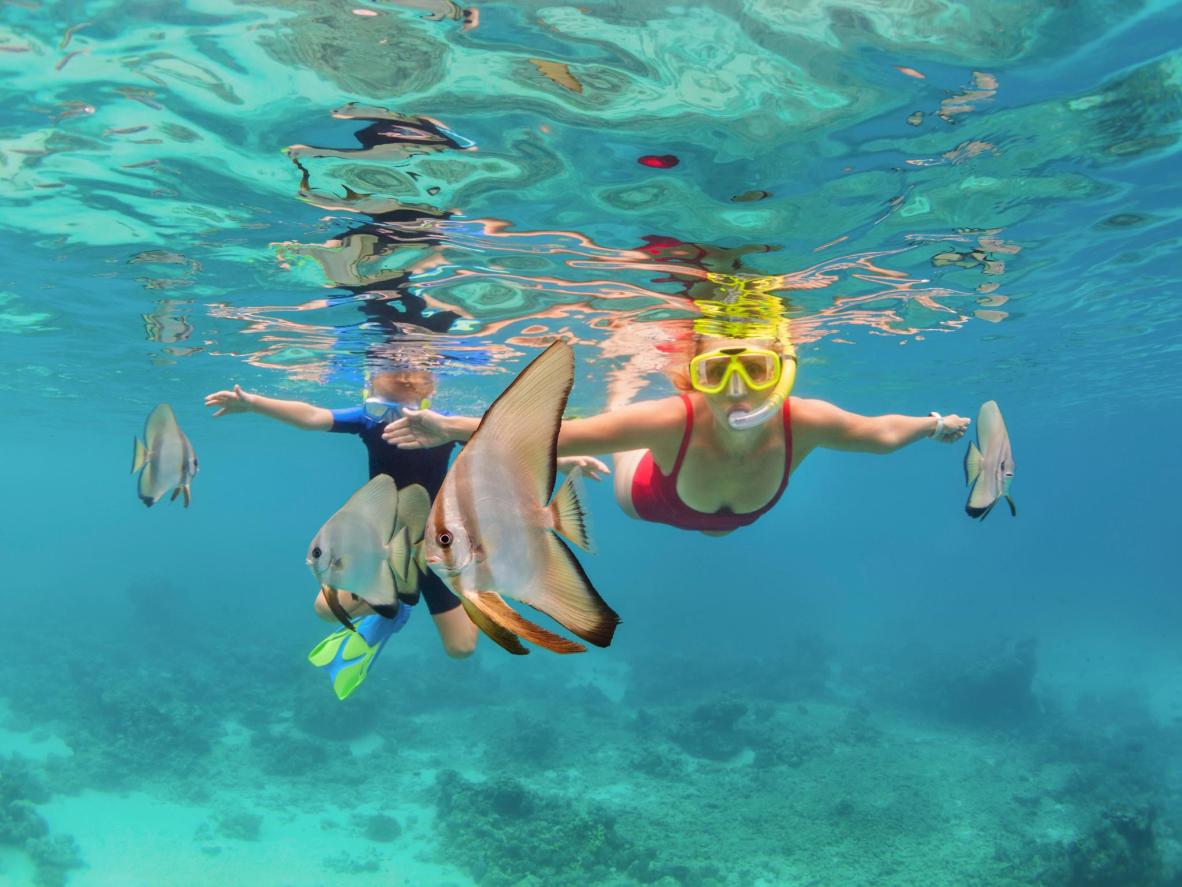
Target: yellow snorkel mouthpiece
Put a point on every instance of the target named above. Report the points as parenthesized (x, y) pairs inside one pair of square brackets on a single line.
[(742, 420)]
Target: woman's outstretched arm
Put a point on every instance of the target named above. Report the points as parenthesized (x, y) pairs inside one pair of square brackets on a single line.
[(825, 425), (637, 426)]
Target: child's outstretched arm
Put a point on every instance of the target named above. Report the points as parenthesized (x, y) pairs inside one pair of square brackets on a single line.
[(293, 412)]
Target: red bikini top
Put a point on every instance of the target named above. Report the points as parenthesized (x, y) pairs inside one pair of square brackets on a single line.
[(655, 498)]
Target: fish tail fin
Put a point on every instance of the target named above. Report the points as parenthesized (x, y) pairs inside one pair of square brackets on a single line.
[(492, 605), (570, 518), (1013, 507), (972, 463), (566, 595), (139, 456), (499, 635)]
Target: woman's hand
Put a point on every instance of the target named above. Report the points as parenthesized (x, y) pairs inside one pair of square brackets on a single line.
[(592, 467), (418, 429), (953, 430), (236, 401)]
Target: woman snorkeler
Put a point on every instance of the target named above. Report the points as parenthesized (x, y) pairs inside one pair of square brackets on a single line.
[(718, 456)]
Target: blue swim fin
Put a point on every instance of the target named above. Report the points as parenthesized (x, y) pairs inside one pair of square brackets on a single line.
[(348, 654)]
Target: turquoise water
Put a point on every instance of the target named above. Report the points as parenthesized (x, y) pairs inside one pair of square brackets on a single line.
[(952, 202)]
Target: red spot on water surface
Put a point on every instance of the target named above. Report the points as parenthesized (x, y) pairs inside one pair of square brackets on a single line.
[(658, 161)]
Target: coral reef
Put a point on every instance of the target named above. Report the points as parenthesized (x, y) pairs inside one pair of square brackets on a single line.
[(54, 856), (486, 825), (1121, 851)]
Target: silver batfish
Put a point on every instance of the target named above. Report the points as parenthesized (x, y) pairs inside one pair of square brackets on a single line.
[(989, 464), (368, 547), (494, 530), (165, 457)]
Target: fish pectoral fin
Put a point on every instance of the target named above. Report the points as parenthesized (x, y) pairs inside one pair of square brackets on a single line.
[(401, 554), (494, 607), (1013, 507), (570, 518), (139, 456), (972, 463), (564, 593), (501, 636), (408, 589)]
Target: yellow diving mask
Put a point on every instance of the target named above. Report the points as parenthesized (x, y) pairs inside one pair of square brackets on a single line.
[(759, 368)]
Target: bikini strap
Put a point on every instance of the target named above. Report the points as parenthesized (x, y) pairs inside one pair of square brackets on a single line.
[(787, 451), (685, 437)]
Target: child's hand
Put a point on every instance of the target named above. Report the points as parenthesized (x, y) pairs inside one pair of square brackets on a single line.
[(236, 401), (418, 429), (592, 467)]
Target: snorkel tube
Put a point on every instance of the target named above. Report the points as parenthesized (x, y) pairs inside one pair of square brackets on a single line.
[(741, 420)]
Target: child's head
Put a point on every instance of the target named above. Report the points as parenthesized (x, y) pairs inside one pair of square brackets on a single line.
[(407, 387)]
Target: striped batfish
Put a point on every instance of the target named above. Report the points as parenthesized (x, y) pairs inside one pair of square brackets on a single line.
[(367, 548), (494, 529), (164, 457), (989, 467)]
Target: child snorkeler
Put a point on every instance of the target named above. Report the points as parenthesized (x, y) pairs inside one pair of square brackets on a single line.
[(390, 393)]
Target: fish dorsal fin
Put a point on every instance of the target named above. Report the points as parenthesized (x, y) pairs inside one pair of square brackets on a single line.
[(990, 424), (139, 456), (501, 636), (972, 463), (494, 607), (414, 505), (160, 421), (564, 593), (522, 424), (570, 518), (401, 555), (377, 504)]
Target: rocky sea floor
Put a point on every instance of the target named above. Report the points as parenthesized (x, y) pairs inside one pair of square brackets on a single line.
[(673, 772)]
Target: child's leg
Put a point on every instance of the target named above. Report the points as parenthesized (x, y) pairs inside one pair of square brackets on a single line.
[(353, 605), (457, 632)]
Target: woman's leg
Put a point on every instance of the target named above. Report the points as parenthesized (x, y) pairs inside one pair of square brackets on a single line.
[(624, 468)]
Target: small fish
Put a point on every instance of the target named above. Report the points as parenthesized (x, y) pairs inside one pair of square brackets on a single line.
[(166, 458), (749, 196), (368, 547), (494, 528), (989, 469)]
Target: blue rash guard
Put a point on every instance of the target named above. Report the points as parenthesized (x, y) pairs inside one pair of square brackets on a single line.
[(426, 467)]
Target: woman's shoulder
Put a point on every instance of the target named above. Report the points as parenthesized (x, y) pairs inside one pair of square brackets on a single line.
[(809, 411)]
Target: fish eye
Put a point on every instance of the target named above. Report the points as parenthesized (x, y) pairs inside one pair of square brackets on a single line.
[(316, 552), (444, 539)]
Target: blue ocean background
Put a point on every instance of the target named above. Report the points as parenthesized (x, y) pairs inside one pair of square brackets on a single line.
[(865, 687)]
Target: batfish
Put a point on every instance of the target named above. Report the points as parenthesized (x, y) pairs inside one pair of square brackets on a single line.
[(368, 548), (989, 464), (164, 457), (494, 530)]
